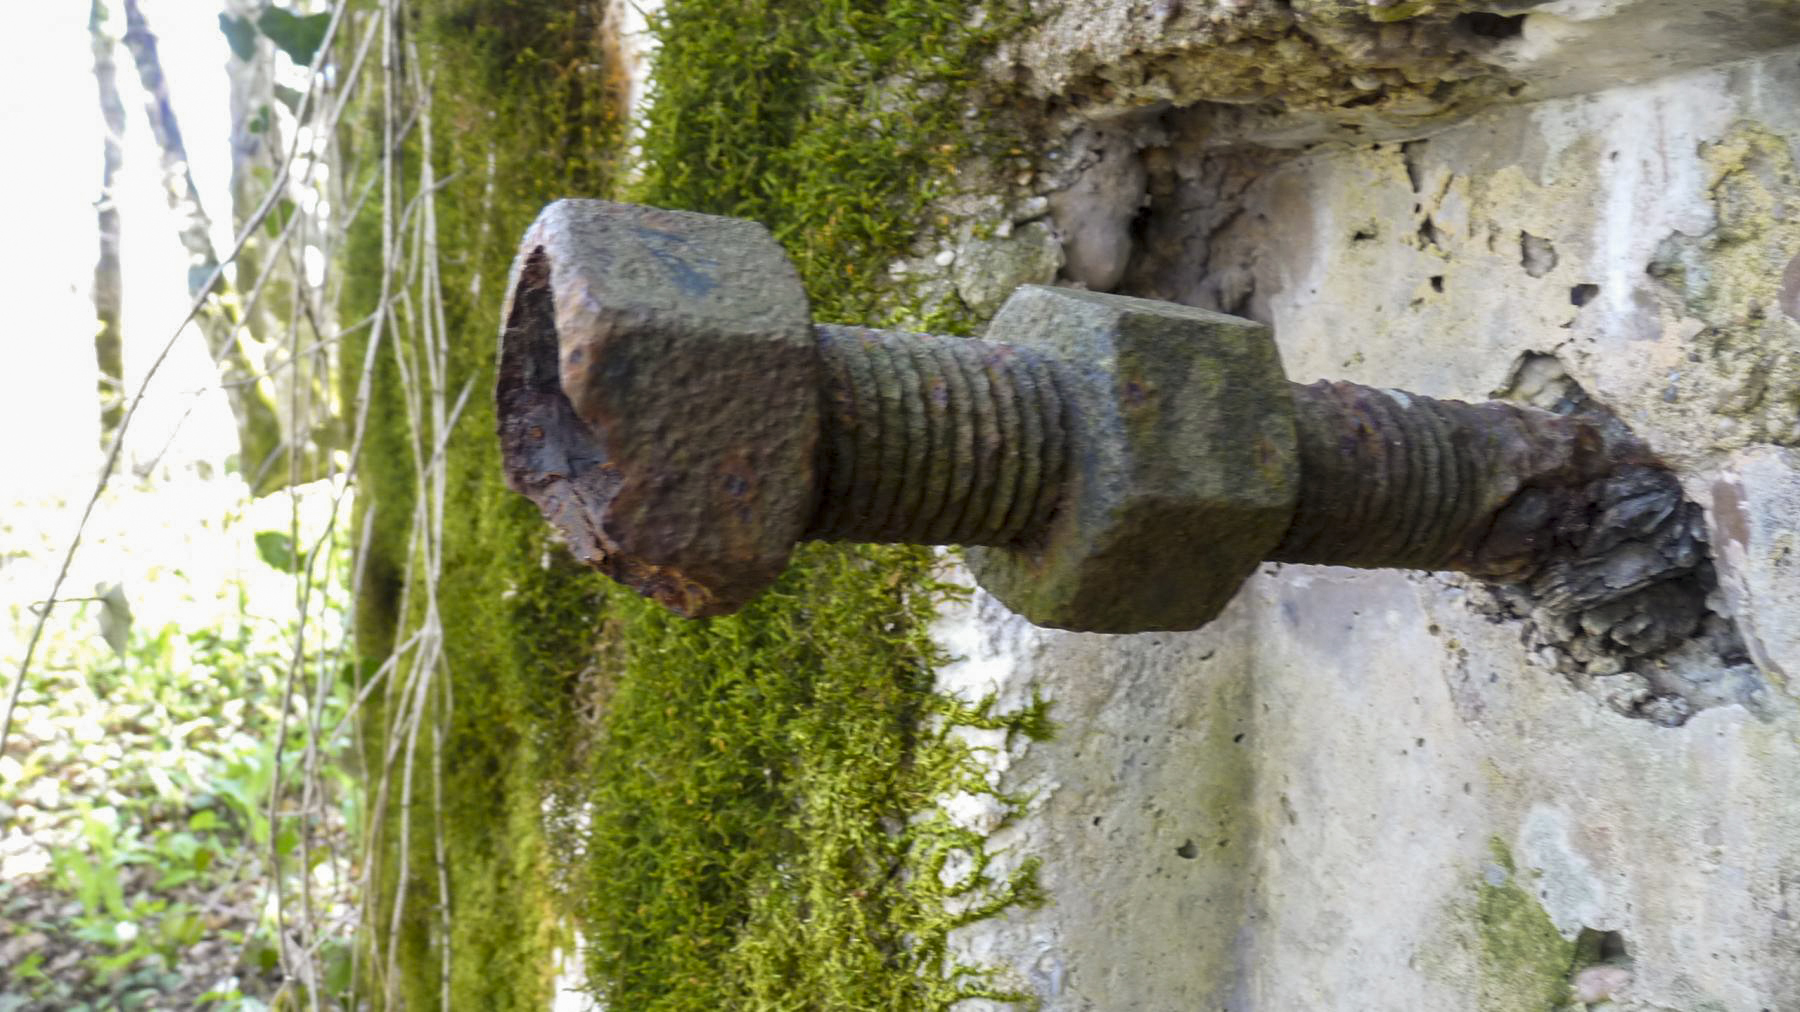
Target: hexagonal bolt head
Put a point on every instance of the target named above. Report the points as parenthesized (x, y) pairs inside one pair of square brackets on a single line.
[(658, 397), (1184, 471)]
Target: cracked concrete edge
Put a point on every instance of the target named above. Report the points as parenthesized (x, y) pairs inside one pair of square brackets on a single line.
[(1294, 72)]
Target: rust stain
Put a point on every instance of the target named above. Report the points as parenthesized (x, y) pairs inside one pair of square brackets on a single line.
[(1790, 289), (1728, 512)]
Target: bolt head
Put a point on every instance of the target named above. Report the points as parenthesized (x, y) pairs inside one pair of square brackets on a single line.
[(658, 397), (1183, 469)]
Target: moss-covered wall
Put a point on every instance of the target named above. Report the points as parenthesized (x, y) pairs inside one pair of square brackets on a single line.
[(726, 811), (1524, 963)]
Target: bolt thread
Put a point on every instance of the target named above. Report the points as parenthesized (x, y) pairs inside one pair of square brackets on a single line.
[(935, 440), (1391, 479)]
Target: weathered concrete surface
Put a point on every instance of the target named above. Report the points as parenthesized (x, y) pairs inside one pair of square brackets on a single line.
[(1311, 804), (1367, 790), (1297, 71)]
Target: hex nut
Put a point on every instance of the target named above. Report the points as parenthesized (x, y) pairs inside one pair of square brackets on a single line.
[(658, 396), (1184, 469)]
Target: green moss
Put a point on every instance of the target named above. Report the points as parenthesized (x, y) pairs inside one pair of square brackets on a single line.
[(727, 811), (1525, 962), (510, 85), (751, 841), (834, 122)]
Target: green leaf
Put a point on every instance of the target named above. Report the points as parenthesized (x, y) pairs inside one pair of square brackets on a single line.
[(115, 618), (277, 549), (338, 969), (277, 221), (31, 968), (240, 35), (289, 97), (264, 956), (203, 820), (299, 36), (112, 893)]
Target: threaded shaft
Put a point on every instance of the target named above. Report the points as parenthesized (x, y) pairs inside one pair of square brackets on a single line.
[(1391, 479), (934, 440)]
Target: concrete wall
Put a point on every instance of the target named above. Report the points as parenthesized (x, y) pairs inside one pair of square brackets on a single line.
[(1392, 790)]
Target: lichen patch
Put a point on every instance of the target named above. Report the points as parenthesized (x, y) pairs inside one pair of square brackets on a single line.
[(1744, 357)]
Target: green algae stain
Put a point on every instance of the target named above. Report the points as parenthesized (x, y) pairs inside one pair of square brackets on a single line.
[(1524, 962)]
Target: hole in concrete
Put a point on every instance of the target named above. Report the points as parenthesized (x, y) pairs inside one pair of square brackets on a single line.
[(1602, 967), (1649, 648), (1536, 254), (1430, 234), (1188, 850), (1413, 154), (1623, 611), (1595, 946), (1196, 242), (1491, 26), (1582, 294)]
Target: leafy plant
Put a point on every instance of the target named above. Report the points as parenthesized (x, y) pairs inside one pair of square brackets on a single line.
[(297, 35), (277, 549), (172, 748)]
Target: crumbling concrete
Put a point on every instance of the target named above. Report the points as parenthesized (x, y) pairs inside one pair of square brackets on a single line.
[(1292, 72)]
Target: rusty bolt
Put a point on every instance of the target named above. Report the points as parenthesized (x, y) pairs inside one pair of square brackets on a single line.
[(657, 398), (1116, 464)]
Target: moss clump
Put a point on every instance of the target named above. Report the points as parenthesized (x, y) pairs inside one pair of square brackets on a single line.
[(727, 810), (833, 122), (751, 840), (1525, 962)]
